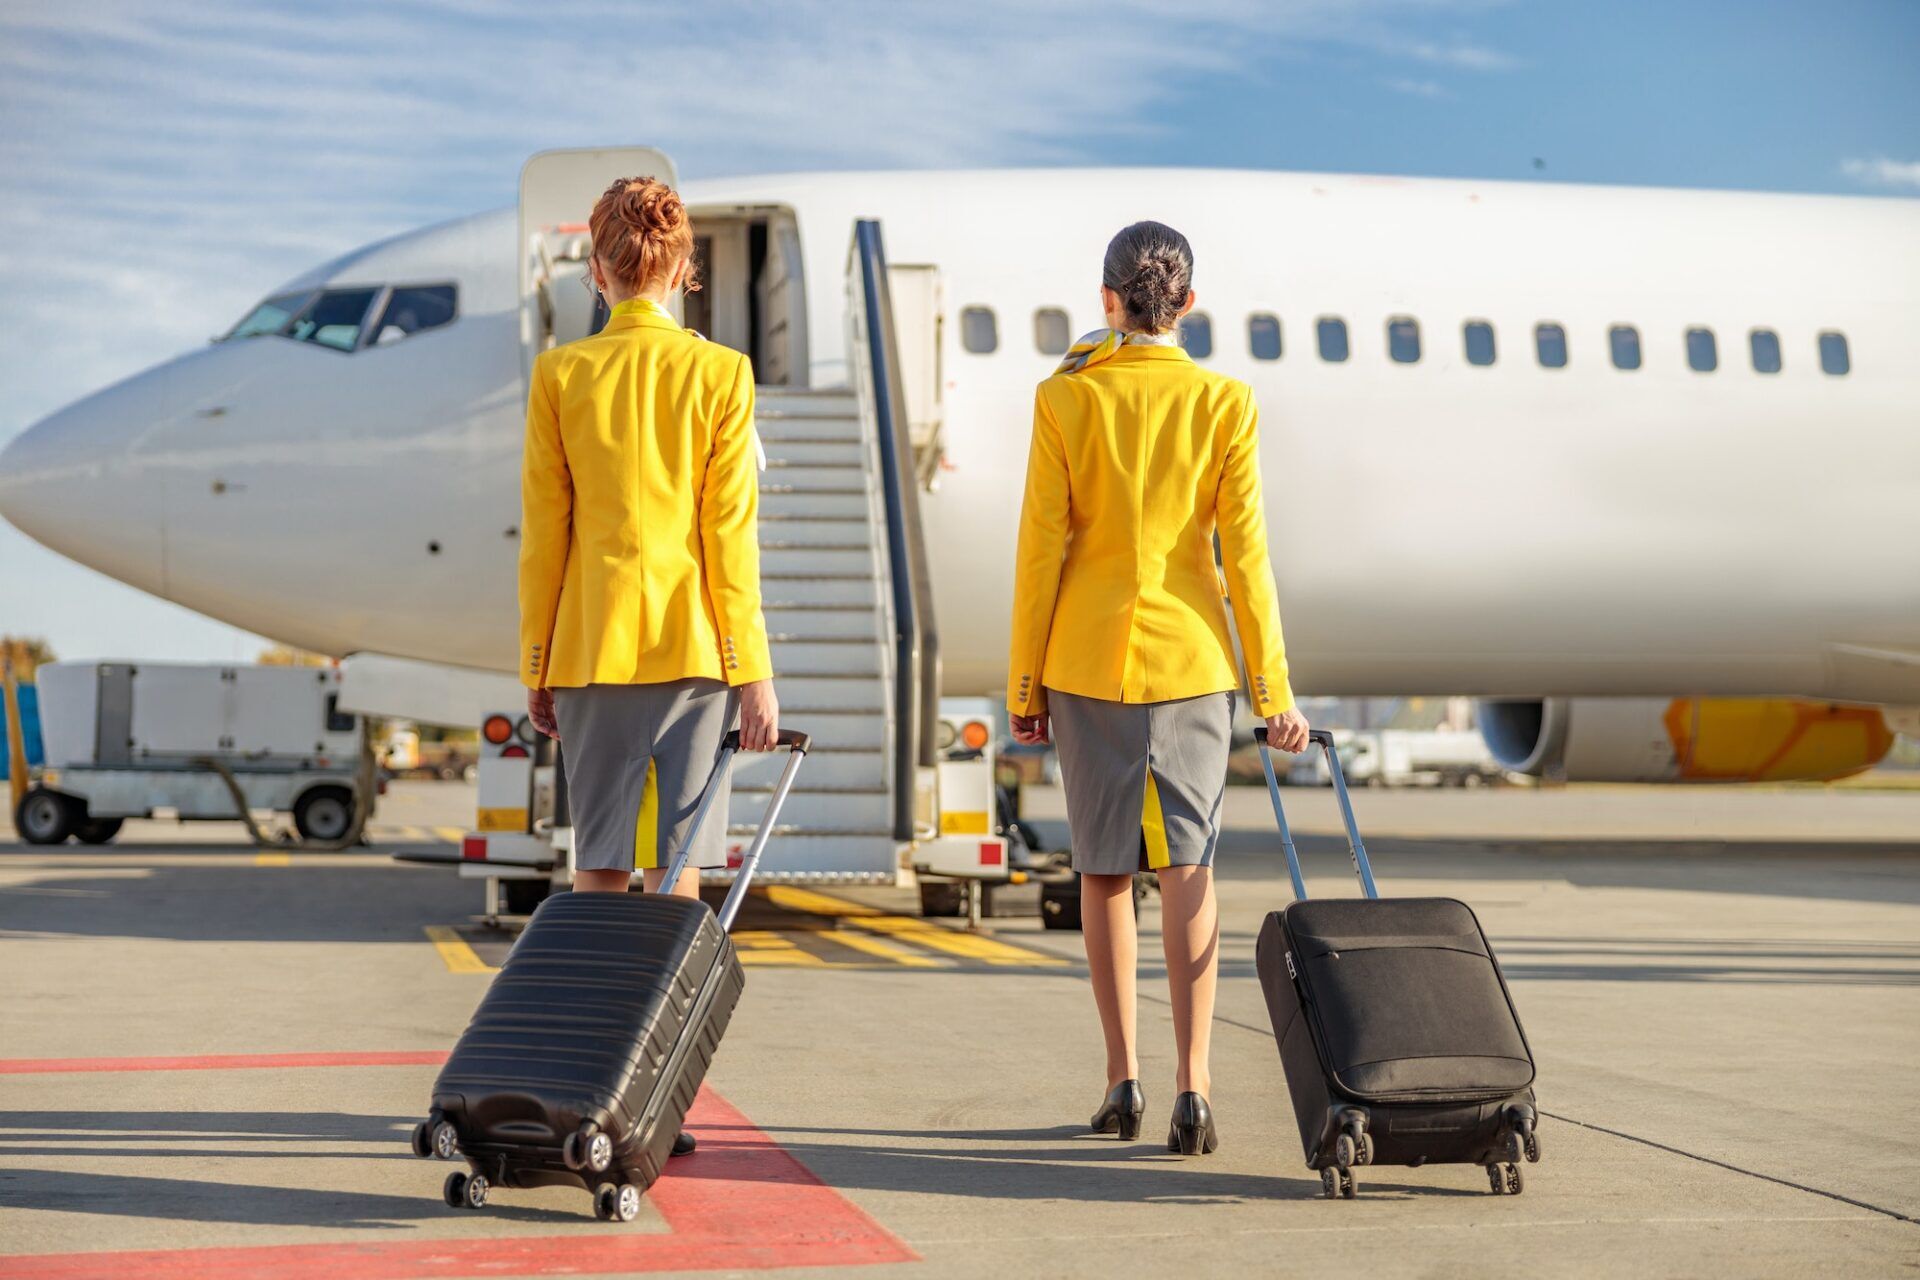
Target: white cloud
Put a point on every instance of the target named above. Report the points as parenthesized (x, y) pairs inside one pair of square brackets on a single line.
[(1418, 88), (1882, 172), (1459, 56)]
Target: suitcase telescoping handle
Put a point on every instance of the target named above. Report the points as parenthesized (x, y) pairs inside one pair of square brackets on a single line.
[(1324, 740), (796, 743)]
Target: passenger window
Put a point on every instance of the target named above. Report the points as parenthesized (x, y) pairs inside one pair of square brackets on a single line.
[(1052, 334), (1703, 355), (1196, 334), (1479, 340), (1550, 345), (1766, 351), (1833, 353), (1332, 332), (270, 316), (334, 320), (979, 331), (413, 308), (1624, 340), (1263, 336), (1403, 339)]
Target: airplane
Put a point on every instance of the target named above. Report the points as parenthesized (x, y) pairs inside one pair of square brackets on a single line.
[(1636, 467)]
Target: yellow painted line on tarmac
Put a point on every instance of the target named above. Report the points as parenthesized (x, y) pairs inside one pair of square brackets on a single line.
[(272, 859), (763, 946), (879, 947), (970, 946), (454, 951), (453, 835)]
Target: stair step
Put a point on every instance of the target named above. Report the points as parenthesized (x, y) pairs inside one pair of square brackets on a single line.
[(796, 857), (815, 452), (807, 811), (814, 479), (828, 659), (851, 729), (777, 431), (826, 767), (816, 561), (835, 531), (820, 622), (830, 693), (848, 504), (785, 592)]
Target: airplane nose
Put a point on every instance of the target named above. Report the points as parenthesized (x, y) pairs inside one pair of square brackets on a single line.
[(75, 482)]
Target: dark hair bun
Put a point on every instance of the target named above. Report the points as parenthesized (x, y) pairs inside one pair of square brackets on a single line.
[(1150, 265)]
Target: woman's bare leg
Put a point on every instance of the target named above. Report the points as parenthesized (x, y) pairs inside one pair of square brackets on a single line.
[(687, 886), (1106, 921), (1190, 930), (600, 881)]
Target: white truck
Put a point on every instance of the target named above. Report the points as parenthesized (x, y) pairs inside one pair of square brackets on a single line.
[(127, 739)]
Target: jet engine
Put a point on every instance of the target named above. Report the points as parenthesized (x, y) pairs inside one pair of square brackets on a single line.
[(1683, 739)]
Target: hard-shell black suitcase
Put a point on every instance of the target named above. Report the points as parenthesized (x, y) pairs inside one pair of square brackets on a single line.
[(580, 1064), (1397, 1033)]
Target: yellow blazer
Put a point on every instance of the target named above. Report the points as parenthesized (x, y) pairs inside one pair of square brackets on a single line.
[(1135, 462), (639, 552)]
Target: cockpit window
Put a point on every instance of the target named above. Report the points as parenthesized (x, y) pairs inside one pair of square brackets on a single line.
[(412, 308), (334, 319), (271, 316)]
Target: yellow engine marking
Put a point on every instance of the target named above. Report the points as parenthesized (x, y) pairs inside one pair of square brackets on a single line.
[(454, 951)]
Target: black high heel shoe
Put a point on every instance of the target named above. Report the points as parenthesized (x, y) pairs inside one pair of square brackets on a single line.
[(1122, 1110), (1192, 1131)]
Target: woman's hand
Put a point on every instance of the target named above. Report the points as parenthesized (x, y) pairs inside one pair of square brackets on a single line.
[(759, 716), (540, 711), (1288, 731), (1030, 730)]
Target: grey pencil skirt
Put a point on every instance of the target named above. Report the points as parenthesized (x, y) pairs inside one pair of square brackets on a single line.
[(637, 756), (1144, 780)]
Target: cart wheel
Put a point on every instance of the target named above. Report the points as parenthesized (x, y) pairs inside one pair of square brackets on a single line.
[(606, 1201), (97, 830), (599, 1149), (1349, 1189), (1496, 1179), (1516, 1146), (1366, 1147), (626, 1205), (324, 814), (446, 1140), (1330, 1183), (45, 817), (454, 1190), (1345, 1154), (476, 1191), (1516, 1181), (422, 1140)]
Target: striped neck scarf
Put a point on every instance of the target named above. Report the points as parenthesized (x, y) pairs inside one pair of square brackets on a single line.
[(1102, 343)]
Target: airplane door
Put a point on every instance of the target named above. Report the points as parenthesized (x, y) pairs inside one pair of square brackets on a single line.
[(557, 192), (917, 322)]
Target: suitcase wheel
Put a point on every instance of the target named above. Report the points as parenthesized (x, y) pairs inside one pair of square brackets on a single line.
[(1506, 1179), (423, 1140), (1345, 1153), (446, 1140), (587, 1148), (465, 1191), (619, 1203), (1338, 1184)]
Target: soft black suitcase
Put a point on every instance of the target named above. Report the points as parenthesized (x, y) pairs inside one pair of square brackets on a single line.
[(1397, 1033), (580, 1064)]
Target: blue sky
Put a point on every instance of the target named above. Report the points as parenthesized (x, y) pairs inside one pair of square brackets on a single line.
[(164, 165)]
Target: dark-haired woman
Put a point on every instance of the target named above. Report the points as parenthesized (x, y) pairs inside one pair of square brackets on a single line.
[(1121, 654)]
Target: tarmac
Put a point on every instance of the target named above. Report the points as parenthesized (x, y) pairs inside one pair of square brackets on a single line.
[(210, 1058)]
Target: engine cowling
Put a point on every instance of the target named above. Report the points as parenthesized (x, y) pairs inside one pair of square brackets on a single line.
[(1683, 739)]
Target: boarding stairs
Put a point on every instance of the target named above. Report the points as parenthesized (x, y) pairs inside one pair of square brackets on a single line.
[(823, 588), (849, 612)]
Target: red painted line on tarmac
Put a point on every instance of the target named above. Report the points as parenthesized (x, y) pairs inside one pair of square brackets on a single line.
[(739, 1203), (222, 1062)]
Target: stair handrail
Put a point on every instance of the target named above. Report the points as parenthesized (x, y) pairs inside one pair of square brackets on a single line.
[(916, 639)]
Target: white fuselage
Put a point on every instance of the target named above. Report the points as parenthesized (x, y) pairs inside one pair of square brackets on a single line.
[(1437, 526)]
